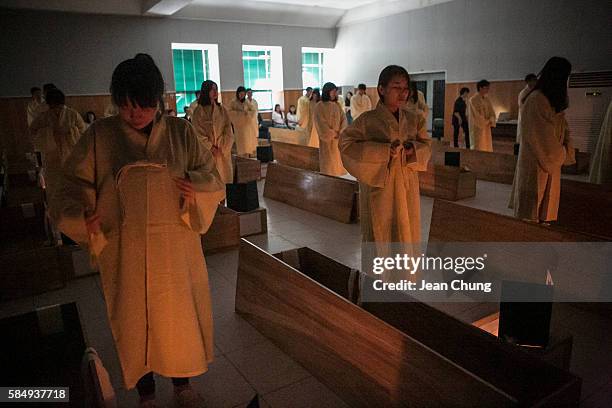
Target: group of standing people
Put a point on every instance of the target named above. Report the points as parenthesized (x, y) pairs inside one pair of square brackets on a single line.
[(474, 116)]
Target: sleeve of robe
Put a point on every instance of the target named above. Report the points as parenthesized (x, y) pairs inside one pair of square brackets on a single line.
[(492, 117), (365, 160), (570, 151), (477, 118), (422, 104), (226, 141), (322, 124), (203, 173), (538, 132), (422, 148), (302, 111), (197, 119), (78, 192)]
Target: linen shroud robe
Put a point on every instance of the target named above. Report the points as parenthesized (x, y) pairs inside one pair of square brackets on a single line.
[(152, 270), (537, 178), (601, 162), (240, 114), (388, 188), (56, 133), (329, 121), (481, 117), (360, 104), (214, 128)]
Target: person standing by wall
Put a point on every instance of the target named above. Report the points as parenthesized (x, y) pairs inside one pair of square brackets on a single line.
[(460, 120), (481, 116)]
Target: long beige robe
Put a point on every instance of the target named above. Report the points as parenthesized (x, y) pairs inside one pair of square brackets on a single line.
[(521, 100), (152, 269), (481, 117), (55, 134), (33, 109), (601, 162), (329, 120), (253, 112), (214, 128), (303, 112), (311, 129), (420, 105), (388, 188), (537, 178), (360, 104), (240, 114)]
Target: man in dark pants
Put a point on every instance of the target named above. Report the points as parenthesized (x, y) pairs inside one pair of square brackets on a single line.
[(460, 119)]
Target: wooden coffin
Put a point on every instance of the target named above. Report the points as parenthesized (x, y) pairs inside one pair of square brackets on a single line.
[(388, 354), (558, 352), (224, 232), (288, 136), (489, 166), (452, 222), (586, 207), (246, 169), (295, 155), (329, 196), (447, 182)]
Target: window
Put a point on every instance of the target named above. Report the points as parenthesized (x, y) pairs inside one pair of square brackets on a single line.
[(263, 73), (312, 68), (193, 64)]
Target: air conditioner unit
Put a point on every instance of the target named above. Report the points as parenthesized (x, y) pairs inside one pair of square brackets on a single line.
[(589, 95)]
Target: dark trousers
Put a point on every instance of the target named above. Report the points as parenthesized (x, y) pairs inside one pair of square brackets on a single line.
[(146, 385), (466, 134)]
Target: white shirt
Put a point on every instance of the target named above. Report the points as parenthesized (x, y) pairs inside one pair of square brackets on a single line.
[(292, 119), (278, 118)]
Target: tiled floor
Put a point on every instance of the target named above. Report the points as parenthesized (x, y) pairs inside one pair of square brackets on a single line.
[(247, 363)]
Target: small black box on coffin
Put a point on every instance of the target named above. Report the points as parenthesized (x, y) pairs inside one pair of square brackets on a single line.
[(242, 197), (265, 153)]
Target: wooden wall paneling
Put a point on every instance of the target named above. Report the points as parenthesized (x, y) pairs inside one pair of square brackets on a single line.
[(378, 357), (586, 207), (295, 155), (291, 97), (329, 196)]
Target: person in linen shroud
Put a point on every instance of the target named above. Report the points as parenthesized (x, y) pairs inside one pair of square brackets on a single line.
[(304, 109), (544, 147), (55, 132), (214, 128), (530, 82), (481, 118), (34, 105), (329, 120), (254, 112), (384, 149), (140, 189), (416, 101), (311, 130), (360, 102), (241, 114), (601, 162)]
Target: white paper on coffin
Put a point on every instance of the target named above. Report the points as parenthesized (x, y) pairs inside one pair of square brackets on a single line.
[(250, 223)]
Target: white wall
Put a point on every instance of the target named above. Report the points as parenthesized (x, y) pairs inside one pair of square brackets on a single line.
[(79, 52), (475, 39)]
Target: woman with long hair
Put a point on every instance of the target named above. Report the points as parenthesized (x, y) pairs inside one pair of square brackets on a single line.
[(140, 189), (214, 128), (544, 145), (329, 120)]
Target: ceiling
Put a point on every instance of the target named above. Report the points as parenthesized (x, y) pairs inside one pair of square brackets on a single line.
[(308, 13)]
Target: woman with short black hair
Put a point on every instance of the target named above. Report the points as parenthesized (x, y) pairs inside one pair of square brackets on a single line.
[(140, 189)]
